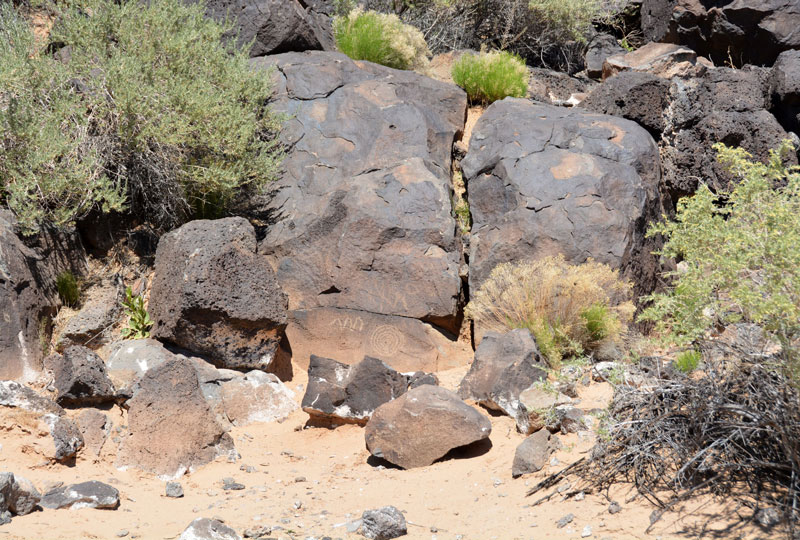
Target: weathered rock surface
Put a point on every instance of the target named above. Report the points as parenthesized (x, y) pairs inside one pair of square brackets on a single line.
[(339, 393), (130, 359), (94, 427), (275, 26), (18, 496), (362, 237), (600, 48), (533, 453), (14, 394), (80, 378), (744, 31), (256, 397), (208, 529), (785, 89), (91, 326), (214, 296), (556, 87), (641, 97), (504, 366), (171, 428), (91, 494), (423, 425), (546, 180), (66, 437), (383, 523), (534, 406), (664, 60)]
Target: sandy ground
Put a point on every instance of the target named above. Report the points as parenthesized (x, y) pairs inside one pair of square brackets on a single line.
[(312, 481)]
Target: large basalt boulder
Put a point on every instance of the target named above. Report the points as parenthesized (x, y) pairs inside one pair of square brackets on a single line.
[(215, 296), (171, 428), (545, 180), (361, 232), (726, 105), (505, 365), (599, 49), (91, 494), (556, 87), (785, 89), (91, 326), (275, 26), (664, 60), (423, 425), (742, 31), (641, 97), (80, 378), (338, 393)]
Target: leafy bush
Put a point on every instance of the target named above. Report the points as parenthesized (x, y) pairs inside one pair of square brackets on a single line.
[(139, 322), (489, 77), (67, 287), (143, 107), (380, 38), (569, 309), (739, 253), (687, 361)]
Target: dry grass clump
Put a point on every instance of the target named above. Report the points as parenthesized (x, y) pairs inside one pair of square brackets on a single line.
[(570, 309), (492, 76)]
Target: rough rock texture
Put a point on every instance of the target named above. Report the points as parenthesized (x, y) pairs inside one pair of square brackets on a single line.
[(94, 427), (641, 97), (91, 494), (339, 393), (66, 438), (383, 523), (726, 105), (661, 59), (556, 87), (80, 378), (130, 359), (208, 529), (23, 497), (533, 406), (26, 307), (256, 397), (785, 90), (361, 234), (214, 296), (744, 31), (91, 326), (171, 428), (423, 425), (600, 48), (275, 26), (546, 180), (532, 453), (14, 394), (504, 366)]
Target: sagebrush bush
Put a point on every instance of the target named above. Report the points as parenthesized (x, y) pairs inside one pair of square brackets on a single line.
[(489, 77), (569, 309), (740, 255), (380, 38), (143, 106)]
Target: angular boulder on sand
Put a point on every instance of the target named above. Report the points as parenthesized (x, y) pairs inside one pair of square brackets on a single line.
[(423, 425), (91, 494), (80, 378)]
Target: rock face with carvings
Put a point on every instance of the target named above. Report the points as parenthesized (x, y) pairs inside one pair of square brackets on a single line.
[(361, 232)]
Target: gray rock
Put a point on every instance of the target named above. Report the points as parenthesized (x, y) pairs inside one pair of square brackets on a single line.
[(564, 521), (95, 428), (504, 366), (14, 394), (383, 523), (338, 393), (555, 87), (23, 498), (174, 490), (214, 296), (641, 97), (130, 359), (586, 532), (570, 419), (533, 453), (91, 494), (80, 377), (92, 324), (229, 484), (67, 438), (423, 425), (418, 378), (785, 90), (664, 60), (768, 517), (208, 529), (614, 508), (256, 397), (6, 488), (5, 517), (600, 47)]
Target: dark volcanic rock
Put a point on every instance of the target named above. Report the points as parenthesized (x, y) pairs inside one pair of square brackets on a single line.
[(744, 31), (785, 90), (80, 377), (641, 97), (339, 393), (600, 47), (505, 365), (91, 494), (130, 359), (214, 296), (94, 427), (208, 529), (91, 326), (171, 428), (664, 60), (362, 235), (546, 180), (556, 87), (423, 425), (14, 394), (532, 453), (67, 438), (383, 523), (23, 498)]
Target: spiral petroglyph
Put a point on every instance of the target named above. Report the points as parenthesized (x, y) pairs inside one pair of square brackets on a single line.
[(385, 340)]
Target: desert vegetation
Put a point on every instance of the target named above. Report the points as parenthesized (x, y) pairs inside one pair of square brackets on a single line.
[(488, 77)]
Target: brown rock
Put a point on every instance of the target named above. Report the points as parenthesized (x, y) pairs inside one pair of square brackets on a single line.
[(423, 425), (532, 453), (94, 427), (661, 59)]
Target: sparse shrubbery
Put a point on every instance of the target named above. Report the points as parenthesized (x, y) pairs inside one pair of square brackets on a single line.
[(687, 361), (380, 38), (490, 77), (569, 309), (139, 322), (68, 290), (143, 107)]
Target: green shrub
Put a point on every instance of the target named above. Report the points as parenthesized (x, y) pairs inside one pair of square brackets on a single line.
[(380, 38), (687, 361), (68, 290), (739, 253), (149, 110), (569, 309), (139, 322), (489, 77)]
